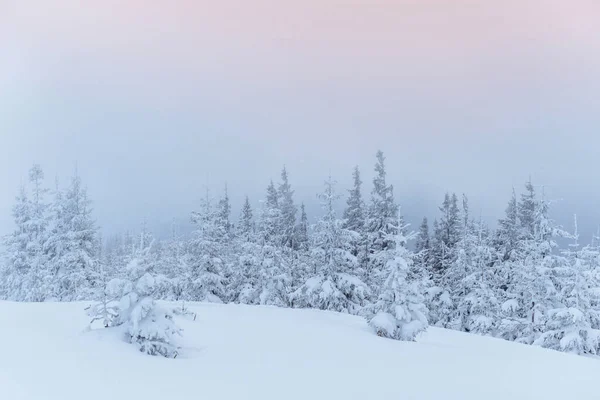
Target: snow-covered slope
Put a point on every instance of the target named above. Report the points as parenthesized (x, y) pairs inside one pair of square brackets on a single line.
[(245, 353)]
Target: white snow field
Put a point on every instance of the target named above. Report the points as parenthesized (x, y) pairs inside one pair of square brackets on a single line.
[(250, 352)]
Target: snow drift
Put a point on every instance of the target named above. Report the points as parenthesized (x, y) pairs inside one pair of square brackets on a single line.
[(256, 352)]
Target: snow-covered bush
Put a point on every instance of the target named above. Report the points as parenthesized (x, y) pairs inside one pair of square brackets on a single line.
[(107, 308), (131, 307), (440, 306), (147, 325), (566, 329)]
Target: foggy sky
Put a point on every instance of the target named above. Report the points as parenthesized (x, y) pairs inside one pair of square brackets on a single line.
[(154, 102)]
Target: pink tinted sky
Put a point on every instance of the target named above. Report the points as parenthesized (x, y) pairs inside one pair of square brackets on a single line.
[(476, 90), (270, 43)]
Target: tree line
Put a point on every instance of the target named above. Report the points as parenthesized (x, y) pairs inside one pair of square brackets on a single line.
[(511, 282)]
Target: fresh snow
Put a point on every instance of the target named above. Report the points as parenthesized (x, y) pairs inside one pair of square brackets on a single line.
[(259, 352)]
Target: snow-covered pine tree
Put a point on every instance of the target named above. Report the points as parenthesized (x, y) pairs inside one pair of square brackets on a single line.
[(226, 236), (568, 327), (26, 275), (302, 240), (39, 273), (381, 224), (17, 266), (224, 212), (354, 214), (270, 218), (447, 235), (526, 211), (274, 275), (443, 255), (206, 277), (354, 222), (334, 286), (477, 307), (245, 228), (400, 312), (534, 289), (423, 249), (72, 244), (507, 235), (456, 279), (244, 285), (173, 265), (288, 211)]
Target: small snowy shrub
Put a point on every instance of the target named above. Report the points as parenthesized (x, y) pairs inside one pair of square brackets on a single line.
[(147, 325)]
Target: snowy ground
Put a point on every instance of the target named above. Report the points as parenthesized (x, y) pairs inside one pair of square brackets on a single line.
[(245, 353)]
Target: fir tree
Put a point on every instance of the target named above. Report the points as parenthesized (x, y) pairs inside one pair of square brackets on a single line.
[(302, 240), (287, 209), (400, 312), (334, 286), (507, 235), (447, 234), (274, 278), (18, 266), (73, 245), (354, 214), (526, 211), (207, 281), (246, 224), (381, 223)]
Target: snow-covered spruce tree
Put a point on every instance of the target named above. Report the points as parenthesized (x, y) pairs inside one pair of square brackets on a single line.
[(354, 214), (302, 240), (443, 255), (590, 258), (169, 265), (26, 276), (507, 235), (244, 283), (400, 312), (381, 225), (274, 274), (568, 327), (17, 266), (288, 211), (423, 249), (39, 273), (226, 237), (456, 279), (446, 237), (206, 278), (526, 210), (354, 217), (270, 218), (245, 227), (334, 286), (477, 306), (534, 290), (72, 244), (223, 214)]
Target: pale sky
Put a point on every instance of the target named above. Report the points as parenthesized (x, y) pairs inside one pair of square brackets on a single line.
[(155, 100)]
